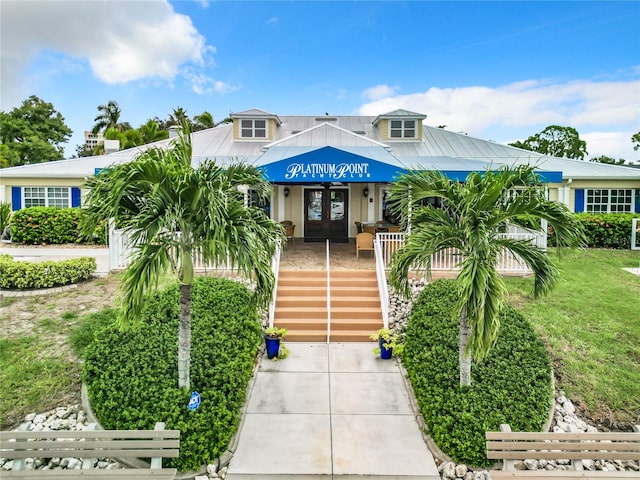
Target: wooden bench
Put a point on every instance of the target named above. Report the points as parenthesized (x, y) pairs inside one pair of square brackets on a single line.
[(89, 445), (509, 446)]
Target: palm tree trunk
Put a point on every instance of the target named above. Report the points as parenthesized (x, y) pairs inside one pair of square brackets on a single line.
[(184, 338), (464, 357)]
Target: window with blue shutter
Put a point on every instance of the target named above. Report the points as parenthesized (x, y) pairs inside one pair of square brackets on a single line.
[(16, 198), (75, 197), (579, 202)]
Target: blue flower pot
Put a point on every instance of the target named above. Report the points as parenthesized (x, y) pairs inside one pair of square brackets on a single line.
[(273, 346), (385, 353)]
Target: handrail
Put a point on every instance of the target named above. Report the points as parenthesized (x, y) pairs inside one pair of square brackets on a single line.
[(275, 268), (328, 294), (382, 281)]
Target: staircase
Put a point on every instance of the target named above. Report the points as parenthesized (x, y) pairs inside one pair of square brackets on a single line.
[(301, 305)]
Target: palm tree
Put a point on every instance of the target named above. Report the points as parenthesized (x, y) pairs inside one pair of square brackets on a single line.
[(473, 218), (109, 117), (179, 117), (172, 212), (151, 132), (203, 121)]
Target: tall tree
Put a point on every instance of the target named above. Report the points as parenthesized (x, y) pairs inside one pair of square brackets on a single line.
[(606, 159), (203, 121), (32, 133), (179, 117), (635, 139), (473, 219), (556, 141), (151, 132), (108, 117), (173, 212)]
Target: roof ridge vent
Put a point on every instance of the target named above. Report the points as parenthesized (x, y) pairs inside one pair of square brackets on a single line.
[(326, 119)]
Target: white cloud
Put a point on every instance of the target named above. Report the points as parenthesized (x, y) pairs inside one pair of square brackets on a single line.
[(603, 112), (611, 144), (379, 92), (121, 42), (202, 83)]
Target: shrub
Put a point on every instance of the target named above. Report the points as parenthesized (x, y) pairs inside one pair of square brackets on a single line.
[(51, 225), (5, 216), (603, 230), (131, 375), (21, 275), (512, 385)]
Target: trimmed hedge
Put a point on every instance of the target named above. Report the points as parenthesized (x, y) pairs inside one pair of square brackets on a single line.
[(132, 375), (51, 225), (22, 275), (603, 230), (512, 385)]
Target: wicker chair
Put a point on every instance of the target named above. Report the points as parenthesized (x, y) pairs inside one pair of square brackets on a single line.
[(364, 241)]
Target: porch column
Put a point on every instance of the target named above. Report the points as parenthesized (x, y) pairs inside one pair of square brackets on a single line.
[(281, 201), (371, 203)]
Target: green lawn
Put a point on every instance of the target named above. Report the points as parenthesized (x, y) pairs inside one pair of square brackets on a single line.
[(591, 325)]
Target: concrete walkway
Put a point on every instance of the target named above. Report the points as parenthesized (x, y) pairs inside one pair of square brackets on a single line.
[(329, 411)]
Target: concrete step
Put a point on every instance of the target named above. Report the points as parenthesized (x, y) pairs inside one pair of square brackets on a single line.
[(355, 302), (301, 301), (364, 325), (301, 290), (300, 312), (365, 312)]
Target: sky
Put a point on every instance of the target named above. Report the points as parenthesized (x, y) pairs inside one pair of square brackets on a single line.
[(500, 71)]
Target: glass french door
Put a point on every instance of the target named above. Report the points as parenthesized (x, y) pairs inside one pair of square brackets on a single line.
[(326, 215)]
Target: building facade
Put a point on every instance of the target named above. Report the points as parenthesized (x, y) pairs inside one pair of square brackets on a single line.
[(330, 172)]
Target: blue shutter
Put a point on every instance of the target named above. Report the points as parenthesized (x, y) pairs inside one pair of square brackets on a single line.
[(75, 197), (637, 201), (16, 198), (579, 203)]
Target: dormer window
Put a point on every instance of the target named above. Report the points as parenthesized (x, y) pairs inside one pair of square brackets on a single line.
[(402, 129), (253, 128)]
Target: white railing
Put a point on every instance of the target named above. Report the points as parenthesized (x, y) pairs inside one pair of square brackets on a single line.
[(450, 259), (121, 249), (328, 293), (635, 234), (382, 279), (275, 268)]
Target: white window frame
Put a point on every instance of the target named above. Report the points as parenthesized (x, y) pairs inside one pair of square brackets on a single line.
[(403, 128), (252, 128), (51, 195), (608, 204)]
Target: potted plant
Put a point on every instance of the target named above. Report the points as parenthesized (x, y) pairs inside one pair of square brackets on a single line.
[(389, 343), (274, 341)]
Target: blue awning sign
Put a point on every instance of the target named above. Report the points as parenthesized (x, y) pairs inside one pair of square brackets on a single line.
[(194, 401)]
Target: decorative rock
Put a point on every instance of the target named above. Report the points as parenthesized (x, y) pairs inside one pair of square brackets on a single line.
[(569, 408), (212, 468), (519, 465), (461, 470), (531, 464), (201, 477), (448, 471)]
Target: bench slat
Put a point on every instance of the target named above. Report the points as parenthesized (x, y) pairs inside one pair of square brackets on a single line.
[(53, 453), (89, 434), (565, 446), (599, 436), (87, 445), (546, 474), (93, 474), (534, 454)]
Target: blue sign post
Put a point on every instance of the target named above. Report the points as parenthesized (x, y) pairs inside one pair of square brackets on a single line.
[(194, 401)]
